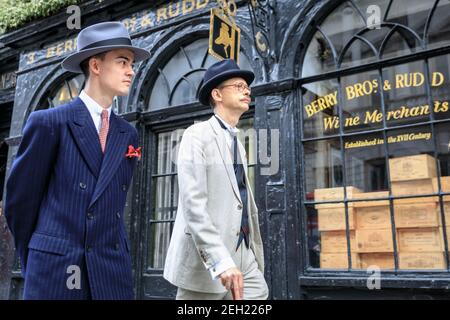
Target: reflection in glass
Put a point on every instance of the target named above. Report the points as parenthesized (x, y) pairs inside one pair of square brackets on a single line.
[(405, 95), (362, 101), (323, 166), (67, 91), (365, 163), (439, 30), (440, 85)]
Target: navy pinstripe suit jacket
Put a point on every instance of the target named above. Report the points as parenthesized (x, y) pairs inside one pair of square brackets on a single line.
[(64, 204)]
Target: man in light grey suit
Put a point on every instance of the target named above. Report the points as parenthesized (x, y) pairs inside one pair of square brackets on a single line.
[(216, 250)]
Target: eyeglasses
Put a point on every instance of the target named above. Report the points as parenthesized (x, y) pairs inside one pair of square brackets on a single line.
[(240, 86)]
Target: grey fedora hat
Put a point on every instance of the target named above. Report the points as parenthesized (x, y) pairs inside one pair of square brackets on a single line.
[(98, 38)]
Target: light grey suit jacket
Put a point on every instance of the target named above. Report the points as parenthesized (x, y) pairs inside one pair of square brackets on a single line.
[(209, 210)]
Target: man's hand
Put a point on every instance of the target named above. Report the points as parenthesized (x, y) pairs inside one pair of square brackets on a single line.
[(232, 280)]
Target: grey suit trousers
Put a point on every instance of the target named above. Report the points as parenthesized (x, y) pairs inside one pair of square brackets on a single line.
[(255, 286)]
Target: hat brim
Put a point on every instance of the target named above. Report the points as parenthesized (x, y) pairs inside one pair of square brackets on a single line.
[(72, 62), (206, 88)]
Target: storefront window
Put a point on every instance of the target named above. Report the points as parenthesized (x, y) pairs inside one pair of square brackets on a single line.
[(376, 142)]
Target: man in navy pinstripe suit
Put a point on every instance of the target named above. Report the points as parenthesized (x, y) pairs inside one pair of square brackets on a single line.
[(68, 184)]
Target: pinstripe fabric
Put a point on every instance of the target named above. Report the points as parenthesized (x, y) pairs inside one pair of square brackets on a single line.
[(64, 205)]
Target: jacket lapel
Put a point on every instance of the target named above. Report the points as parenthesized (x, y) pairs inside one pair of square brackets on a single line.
[(225, 154), (86, 136), (116, 145)]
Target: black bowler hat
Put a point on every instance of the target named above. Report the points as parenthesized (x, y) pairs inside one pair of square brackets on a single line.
[(98, 38), (218, 73)]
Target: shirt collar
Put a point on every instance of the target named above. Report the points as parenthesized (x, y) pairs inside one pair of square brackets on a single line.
[(92, 105), (230, 129)]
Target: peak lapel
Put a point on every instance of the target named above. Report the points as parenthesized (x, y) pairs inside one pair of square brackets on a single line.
[(116, 145), (86, 136)]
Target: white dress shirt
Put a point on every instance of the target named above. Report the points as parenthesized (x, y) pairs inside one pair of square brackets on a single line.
[(227, 263), (94, 109)]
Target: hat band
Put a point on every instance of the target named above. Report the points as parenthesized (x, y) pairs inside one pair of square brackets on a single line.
[(109, 42)]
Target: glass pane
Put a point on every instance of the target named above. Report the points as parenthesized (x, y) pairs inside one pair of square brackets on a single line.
[(405, 94), (342, 24), (412, 165), (186, 91), (166, 156), (439, 30), (400, 43), (319, 57), (160, 94), (362, 101), (195, 52), (76, 85), (440, 85), (365, 165), (443, 150), (410, 13), (320, 109), (357, 54), (323, 170), (159, 244), (62, 96)]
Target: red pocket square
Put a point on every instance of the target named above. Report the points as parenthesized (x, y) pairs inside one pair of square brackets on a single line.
[(133, 153)]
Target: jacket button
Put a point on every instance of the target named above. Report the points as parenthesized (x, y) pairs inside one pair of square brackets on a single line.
[(117, 246), (118, 215), (82, 185), (89, 248), (90, 216), (239, 206), (124, 187)]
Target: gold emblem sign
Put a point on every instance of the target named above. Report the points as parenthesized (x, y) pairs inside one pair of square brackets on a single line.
[(224, 37)]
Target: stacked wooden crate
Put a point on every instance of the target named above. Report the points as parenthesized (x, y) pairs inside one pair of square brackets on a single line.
[(332, 227), (419, 233), (419, 227), (374, 231)]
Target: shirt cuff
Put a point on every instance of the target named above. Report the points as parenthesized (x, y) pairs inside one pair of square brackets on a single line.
[(221, 266)]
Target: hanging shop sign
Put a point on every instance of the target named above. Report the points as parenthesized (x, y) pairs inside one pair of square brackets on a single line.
[(224, 34)]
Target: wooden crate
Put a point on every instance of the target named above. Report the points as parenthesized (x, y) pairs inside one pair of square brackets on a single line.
[(336, 241), (374, 240), (370, 196), (381, 260), (424, 212), (422, 166), (445, 186), (413, 187), (373, 217), (420, 240), (333, 218), (338, 261), (421, 260), (329, 194)]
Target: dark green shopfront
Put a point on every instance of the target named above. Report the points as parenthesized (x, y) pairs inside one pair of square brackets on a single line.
[(347, 93)]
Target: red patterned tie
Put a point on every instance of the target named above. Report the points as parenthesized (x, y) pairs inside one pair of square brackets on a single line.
[(104, 130)]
